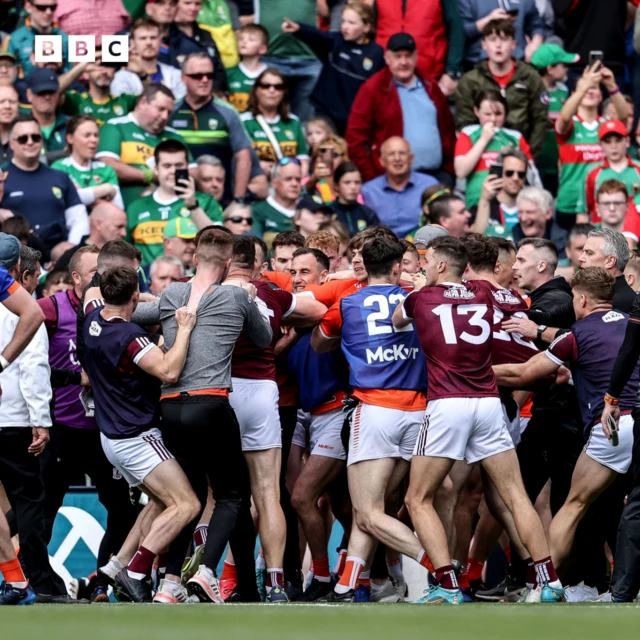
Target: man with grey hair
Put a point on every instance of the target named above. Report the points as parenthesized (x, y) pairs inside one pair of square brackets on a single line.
[(163, 271), (210, 126), (535, 218), (210, 176)]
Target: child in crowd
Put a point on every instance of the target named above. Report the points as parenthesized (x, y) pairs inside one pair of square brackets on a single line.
[(318, 129), (253, 42), (349, 57)]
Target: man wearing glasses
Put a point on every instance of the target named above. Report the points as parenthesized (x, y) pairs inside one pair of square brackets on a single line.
[(21, 42), (211, 127), (617, 165), (47, 197)]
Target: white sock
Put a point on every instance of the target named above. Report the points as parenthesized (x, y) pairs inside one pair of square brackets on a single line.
[(395, 570), (19, 585), (378, 587), (261, 563)]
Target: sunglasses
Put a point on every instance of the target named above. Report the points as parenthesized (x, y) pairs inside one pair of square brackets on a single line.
[(45, 7), (200, 76), (286, 161), (336, 154), (239, 219), (511, 172), (33, 137), (279, 86)]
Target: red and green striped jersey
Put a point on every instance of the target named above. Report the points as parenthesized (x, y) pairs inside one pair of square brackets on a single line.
[(630, 175), (548, 161), (579, 151), (502, 138)]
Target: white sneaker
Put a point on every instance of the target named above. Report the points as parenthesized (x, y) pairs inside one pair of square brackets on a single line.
[(531, 595), (205, 585), (388, 593), (581, 593), (605, 597), (170, 592), (401, 588)]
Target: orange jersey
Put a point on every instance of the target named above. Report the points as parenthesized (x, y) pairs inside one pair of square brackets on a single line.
[(331, 292), (283, 280)]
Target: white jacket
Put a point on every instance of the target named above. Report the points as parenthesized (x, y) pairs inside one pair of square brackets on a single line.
[(26, 382), (128, 82)]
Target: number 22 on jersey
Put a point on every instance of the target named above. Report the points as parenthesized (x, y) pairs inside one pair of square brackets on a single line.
[(385, 305)]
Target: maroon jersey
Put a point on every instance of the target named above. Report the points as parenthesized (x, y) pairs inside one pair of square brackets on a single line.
[(455, 329), (249, 361), (508, 348)]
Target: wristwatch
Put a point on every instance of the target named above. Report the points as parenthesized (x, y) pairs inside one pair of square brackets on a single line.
[(541, 329), (194, 206)]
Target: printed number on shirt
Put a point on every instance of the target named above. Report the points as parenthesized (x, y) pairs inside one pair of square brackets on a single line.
[(498, 316), (445, 313), (385, 309), (264, 310)]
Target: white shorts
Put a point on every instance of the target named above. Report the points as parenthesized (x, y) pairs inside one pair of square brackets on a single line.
[(301, 432), (513, 426), (135, 458), (256, 405), (524, 423), (601, 450), (380, 432), (324, 435), (470, 429)]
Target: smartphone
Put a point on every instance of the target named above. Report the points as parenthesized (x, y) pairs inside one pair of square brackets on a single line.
[(512, 12), (182, 175), (613, 427), (594, 56), (495, 170), (326, 155)]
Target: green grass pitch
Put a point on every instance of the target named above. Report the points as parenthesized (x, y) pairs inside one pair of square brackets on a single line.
[(311, 622)]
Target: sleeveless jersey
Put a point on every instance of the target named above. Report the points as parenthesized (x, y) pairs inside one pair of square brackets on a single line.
[(591, 347), (380, 356), (127, 398), (455, 329), (579, 152), (67, 407), (502, 138)]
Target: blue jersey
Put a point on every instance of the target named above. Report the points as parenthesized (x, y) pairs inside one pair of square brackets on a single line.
[(7, 284), (380, 356), (127, 398), (591, 348), (319, 375)]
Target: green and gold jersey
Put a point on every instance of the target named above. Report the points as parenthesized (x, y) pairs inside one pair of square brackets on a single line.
[(125, 140), (240, 82), (288, 134), (80, 103), (147, 217)]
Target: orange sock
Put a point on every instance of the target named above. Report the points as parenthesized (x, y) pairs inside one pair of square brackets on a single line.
[(474, 569), (352, 570), (321, 568), (423, 559), (12, 571), (229, 572)]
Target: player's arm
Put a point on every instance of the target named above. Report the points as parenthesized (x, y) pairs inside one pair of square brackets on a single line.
[(30, 317), (305, 311), (522, 375), (322, 343), (403, 314), (168, 366), (326, 336)]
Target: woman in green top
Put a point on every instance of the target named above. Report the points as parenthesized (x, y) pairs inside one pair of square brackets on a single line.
[(275, 132), (93, 179), (479, 145)]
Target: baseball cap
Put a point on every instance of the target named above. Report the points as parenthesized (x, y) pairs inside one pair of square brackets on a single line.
[(9, 250), (548, 54), (424, 235), (612, 126), (10, 56), (180, 228), (43, 80), (313, 204), (400, 42)]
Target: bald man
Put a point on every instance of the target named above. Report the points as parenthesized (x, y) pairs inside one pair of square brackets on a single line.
[(107, 222), (396, 196)]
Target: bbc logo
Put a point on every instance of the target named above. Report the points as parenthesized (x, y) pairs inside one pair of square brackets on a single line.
[(81, 49)]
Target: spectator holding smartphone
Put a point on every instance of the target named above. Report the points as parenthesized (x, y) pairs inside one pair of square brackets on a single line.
[(325, 159), (479, 145)]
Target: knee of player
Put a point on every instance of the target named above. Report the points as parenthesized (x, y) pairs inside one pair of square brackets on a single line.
[(191, 508), (364, 521)]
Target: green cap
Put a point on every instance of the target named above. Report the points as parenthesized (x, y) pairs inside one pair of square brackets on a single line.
[(180, 228), (548, 54)]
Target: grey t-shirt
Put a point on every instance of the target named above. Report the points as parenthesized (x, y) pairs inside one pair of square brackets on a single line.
[(222, 313)]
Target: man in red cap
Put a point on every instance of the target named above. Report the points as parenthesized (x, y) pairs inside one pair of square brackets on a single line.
[(617, 165)]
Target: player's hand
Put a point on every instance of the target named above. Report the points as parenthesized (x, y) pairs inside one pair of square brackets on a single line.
[(348, 274), (527, 328), (186, 317), (84, 380), (289, 26), (614, 412), (491, 185), (187, 191), (39, 442), (419, 281), (563, 375), (250, 289)]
